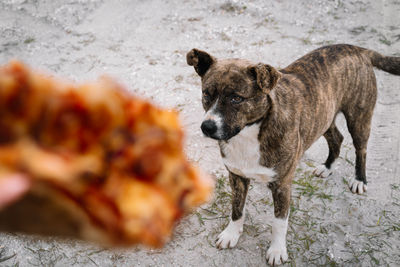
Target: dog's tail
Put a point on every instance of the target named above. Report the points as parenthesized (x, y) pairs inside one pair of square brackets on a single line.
[(388, 64)]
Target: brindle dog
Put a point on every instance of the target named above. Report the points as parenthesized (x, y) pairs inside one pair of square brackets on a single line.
[(264, 119)]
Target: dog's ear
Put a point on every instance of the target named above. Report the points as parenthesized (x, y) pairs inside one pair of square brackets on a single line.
[(200, 60), (265, 76)]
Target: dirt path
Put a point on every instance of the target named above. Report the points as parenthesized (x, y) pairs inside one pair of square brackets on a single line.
[(143, 44)]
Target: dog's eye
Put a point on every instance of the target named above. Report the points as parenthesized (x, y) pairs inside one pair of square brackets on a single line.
[(206, 96), (236, 99)]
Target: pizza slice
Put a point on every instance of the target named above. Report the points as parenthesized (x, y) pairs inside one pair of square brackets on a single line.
[(101, 164)]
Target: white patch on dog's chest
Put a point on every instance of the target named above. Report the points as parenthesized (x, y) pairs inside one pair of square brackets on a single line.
[(242, 155)]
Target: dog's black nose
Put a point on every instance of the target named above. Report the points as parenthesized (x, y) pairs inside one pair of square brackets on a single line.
[(209, 127)]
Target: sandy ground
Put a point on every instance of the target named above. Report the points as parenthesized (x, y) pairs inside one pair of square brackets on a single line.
[(143, 44)]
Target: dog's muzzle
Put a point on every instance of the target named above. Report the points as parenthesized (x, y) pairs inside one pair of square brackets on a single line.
[(209, 128)]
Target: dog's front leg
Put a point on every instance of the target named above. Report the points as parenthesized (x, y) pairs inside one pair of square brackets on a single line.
[(230, 236), (277, 253)]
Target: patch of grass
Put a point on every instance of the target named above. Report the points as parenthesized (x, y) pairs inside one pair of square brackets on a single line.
[(222, 197), (369, 246), (313, 241), (357, 30), (306, 229), (220, 207), (395, 186), (325, 196), (307, 241), (310, 164), (233, 8), (266, 201), (29, 40), (92, 261), (346, 158), (307, 185), (396, 227), (46, 257), (3, 255), (269, 20), (252, 230), (385, 41), (306, 40), (117, 257)]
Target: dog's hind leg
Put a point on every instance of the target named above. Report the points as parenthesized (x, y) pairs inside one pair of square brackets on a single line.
[(334, 139), (230, 236), (358, 114), (359, 125)]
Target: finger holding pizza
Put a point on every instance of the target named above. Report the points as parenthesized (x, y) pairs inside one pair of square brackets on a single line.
[(12, 187)]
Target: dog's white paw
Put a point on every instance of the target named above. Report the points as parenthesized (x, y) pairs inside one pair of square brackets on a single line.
[(357, 187), (230, 236), (277, 254), (322, 171)]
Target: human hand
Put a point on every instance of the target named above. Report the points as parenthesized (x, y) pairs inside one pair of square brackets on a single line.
[(12, 187)]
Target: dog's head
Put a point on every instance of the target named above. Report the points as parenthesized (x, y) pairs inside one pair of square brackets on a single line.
[(235, 92)]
